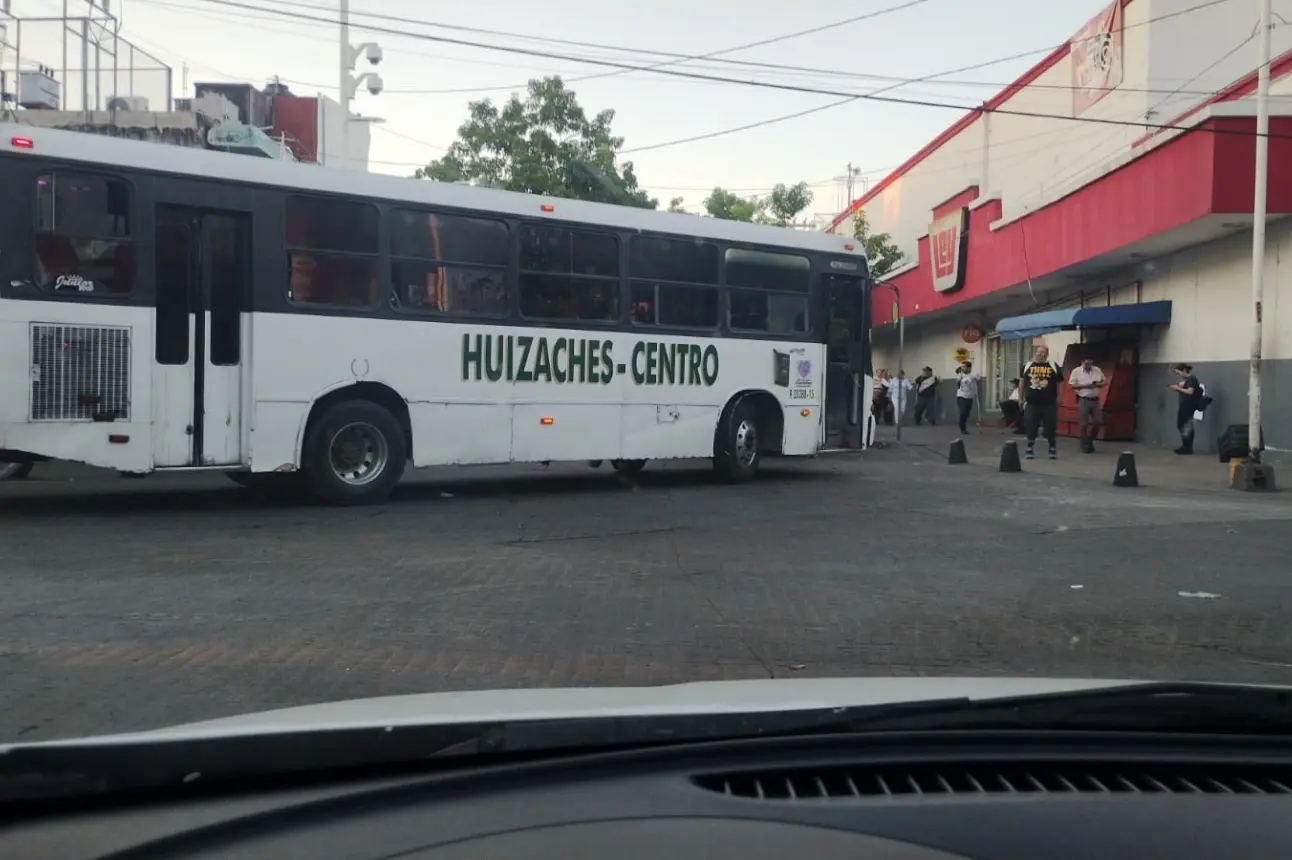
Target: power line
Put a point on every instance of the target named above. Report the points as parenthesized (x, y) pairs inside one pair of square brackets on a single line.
[(800, 71), (714, 56), (411, 139), (673, 58), (242, 19), (1105, 148), (783, 87)]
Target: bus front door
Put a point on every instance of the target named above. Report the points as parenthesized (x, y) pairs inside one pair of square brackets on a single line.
[(203, 269), (846, 359)]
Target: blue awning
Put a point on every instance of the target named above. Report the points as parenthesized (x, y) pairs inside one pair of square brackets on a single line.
[(1031, 325)]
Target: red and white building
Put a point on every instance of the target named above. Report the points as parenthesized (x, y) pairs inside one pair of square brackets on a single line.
[(1061, 213)]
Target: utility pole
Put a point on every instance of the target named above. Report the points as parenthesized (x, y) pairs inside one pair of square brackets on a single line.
[(349, 84), (344, 82), (1254, 436), (849, 181)]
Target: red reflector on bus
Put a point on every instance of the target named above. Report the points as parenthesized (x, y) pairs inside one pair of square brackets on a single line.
[(118, 439), (547, 207), (22, 142), (806, 412), (850, 247), (545, 421)]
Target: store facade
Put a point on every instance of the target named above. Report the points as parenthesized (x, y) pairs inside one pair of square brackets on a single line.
[(1099, 208)]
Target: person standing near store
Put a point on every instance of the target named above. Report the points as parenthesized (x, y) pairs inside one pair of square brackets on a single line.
[(926, 392), (898, 387), (966, 394), (1190, 391), (1039, 384), (1087, 381)]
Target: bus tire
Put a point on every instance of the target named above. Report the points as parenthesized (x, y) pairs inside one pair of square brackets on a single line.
[(16, 471), (628, 467), (354, 454), (735, 453)]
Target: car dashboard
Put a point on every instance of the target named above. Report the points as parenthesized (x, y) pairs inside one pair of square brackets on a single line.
[(910, 796)]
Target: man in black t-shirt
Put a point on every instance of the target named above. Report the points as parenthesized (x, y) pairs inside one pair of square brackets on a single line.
[(1190, 391), (1038, 385)]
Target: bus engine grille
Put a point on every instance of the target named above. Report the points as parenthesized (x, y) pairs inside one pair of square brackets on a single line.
[(80, 373)]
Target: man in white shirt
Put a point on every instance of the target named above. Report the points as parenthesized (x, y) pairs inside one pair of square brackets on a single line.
[(1087, 381), (966, 395), (897, 388)]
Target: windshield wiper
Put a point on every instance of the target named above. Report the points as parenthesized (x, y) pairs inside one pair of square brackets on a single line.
[(97, 767)]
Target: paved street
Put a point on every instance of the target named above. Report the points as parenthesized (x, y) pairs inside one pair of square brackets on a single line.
[(133, 604)]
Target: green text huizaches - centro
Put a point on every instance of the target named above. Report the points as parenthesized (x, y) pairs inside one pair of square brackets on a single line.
[(525, 358)]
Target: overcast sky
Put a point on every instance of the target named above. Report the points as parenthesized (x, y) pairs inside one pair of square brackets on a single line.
[(429, 84)]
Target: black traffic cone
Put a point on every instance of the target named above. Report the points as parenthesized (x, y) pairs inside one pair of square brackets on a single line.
[(1126, 476), (957, 455), (1009, 461)]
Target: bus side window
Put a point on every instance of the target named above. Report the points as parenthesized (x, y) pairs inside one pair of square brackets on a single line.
[(452, 264), (331, 251), (768, 292), (568, 274), (84, 235), (674, 282)]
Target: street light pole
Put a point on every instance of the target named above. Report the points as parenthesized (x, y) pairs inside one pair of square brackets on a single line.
[(901, 348), (1254, 436), (345, 83)]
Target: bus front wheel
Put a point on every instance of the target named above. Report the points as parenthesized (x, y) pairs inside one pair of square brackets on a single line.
[(736, 453), (354, 454), (628, 467)]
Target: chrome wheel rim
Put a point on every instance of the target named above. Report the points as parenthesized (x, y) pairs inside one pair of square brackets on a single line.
[(746, 444), (358, 454)]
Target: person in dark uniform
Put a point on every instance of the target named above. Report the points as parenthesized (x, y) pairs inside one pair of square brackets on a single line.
[(1039, 388), (1190, 391), (926, 392)]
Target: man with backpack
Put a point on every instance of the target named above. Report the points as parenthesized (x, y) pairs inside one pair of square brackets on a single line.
[(1039, 387)]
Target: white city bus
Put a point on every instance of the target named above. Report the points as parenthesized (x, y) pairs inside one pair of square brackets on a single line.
[(164, 308)]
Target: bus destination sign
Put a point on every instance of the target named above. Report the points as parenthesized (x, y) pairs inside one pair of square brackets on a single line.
[(538, 358)]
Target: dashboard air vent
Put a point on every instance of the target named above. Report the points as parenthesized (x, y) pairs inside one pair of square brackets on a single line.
[(862, 781)]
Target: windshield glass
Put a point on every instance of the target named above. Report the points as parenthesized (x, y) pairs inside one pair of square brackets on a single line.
[(621, 391)]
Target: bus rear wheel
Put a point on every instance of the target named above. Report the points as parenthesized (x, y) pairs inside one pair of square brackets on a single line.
[(628, 467), (354, 454), (736, 454)]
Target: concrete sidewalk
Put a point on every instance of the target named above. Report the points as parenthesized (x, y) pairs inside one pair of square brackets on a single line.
[(1156, 467)]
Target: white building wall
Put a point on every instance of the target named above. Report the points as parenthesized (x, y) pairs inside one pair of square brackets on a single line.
[(1169, 66), (1210, 288), (332, 119), (1053, 157), (1205, 50), (903, 208)]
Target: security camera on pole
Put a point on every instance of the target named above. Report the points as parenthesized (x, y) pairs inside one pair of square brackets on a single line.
[(350, 83)]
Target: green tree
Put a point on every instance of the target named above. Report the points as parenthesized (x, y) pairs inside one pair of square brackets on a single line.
[(729, 206), (675, 205), (882, 255), (785, 203), (543, 143)]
